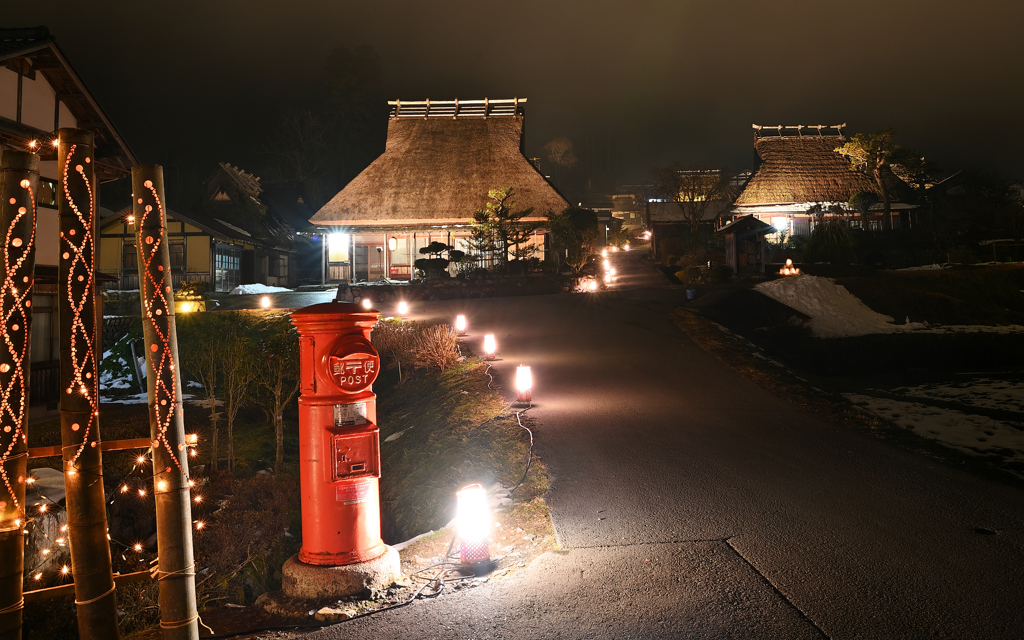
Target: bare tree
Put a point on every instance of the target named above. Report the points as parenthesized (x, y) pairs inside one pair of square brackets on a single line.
[(278, 373), (561, 153), (299, 150), (198, 337), (240, 370), (695, 188)]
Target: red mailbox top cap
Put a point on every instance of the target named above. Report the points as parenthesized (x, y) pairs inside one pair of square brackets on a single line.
[(334, 311)]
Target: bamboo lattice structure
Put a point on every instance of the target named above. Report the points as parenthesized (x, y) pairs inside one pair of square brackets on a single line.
[(79, 407), (19, 180), (176, 568)]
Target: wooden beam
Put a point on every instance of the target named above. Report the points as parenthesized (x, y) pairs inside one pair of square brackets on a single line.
[(69, 589), (106, 445)]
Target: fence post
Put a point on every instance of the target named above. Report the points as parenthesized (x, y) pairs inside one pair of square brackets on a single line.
[(177, 570), (79, 406), (19, 181)]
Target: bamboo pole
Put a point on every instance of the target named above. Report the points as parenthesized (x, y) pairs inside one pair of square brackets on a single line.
[(19, 181), (79, 405), (177, 571)]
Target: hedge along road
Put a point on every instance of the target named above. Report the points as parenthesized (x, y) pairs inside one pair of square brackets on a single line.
[(690, 503)]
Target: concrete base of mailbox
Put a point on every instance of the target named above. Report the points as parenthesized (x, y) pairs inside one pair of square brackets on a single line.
[(314, 582)]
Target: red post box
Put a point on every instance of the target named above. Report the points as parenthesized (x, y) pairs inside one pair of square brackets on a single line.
[(339, 441)]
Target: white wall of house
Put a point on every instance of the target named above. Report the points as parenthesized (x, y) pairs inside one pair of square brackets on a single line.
[(37, 100)]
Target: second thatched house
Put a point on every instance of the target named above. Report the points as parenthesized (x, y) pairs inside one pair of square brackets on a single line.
[(800, 176), (440, 161)]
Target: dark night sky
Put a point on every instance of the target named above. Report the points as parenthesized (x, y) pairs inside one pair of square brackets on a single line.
[(640, 81)]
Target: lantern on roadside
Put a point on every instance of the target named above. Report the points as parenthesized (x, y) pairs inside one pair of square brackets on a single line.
[(626, 248), (403, 308), (460, 325), (265, 302), (604, 253), (490, 347), (367, 303), (593, 285), (615, 249), (473, 517), (524, 384)]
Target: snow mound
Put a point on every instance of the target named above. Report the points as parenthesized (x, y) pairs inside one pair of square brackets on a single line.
[(834, 311), (252, 289)]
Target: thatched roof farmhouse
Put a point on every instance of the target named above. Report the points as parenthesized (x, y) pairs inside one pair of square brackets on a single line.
[(799, 168), (440, 161)]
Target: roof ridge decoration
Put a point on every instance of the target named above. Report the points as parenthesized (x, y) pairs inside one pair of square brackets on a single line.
[(780, 129), (457, 108)]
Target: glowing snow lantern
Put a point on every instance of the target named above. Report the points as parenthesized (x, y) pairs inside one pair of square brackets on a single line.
[(611, 271), (607, 265), (626, 248), (460, 325), (265, 302), (490, 347), (604, 253), (614, 249), (789, 269), (366, 303), (524, 384), (607, 278), (186, 306), (593, 285), (403, 308), (474, 524)]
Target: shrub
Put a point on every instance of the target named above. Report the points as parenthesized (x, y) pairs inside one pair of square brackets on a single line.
[(437, 347), (829, 242), (193, 288)]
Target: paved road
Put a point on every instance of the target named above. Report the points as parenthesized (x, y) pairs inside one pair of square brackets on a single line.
[(689, 503)]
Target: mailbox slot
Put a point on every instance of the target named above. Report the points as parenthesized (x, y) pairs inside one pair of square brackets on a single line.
[(356, 454)]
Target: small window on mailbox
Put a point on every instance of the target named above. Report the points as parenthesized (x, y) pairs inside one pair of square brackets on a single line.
[(356, 455)]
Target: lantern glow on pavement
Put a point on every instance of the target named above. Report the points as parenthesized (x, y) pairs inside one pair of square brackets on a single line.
[(473, 518), (460, 325), (490, 346), (524, 384)]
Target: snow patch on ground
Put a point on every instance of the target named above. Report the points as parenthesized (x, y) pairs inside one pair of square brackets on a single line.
[(252, 289), (138, 398), (973, 434), (984, 393), (835, 312)]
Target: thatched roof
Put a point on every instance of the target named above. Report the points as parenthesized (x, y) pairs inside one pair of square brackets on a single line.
[(438, 170), (805, 169)]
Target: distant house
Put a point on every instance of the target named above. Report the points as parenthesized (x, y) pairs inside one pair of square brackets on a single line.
[(232, 237), (39, 94), (440, 161), (799, 170)]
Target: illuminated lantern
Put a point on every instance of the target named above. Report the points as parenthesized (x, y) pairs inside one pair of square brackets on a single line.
[(366, 303), (403, 307), (626, 248), (607, 278), (524, 384), (593, 285), (611, 271), (474, 524), (490, 347), (186, 306), (615, 249), (460, 325), (604, 253), (265, 302)]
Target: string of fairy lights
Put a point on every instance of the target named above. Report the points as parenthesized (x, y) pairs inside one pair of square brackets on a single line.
[(135, 485), (16, 297)]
